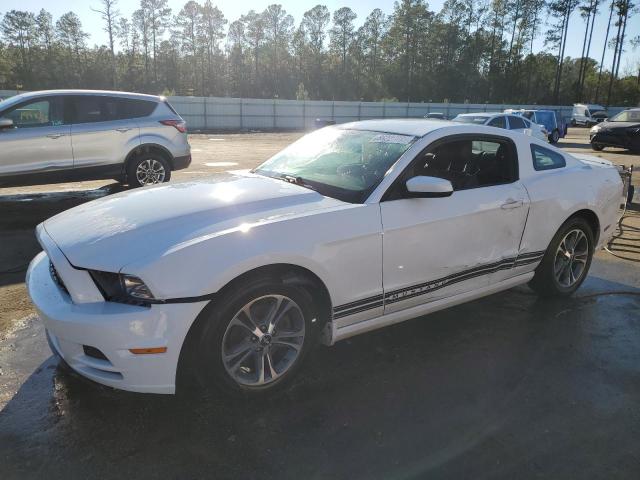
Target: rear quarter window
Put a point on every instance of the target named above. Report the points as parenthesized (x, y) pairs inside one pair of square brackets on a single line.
[(545, 159), (135, 108)]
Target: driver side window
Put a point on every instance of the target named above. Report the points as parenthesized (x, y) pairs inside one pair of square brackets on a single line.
[(498, 122), (469, 162), (42, 112)]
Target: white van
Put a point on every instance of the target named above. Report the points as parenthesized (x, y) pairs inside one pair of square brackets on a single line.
[(588, 114)]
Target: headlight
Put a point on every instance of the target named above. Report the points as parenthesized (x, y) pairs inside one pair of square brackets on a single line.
[(121, 288), (135, 287), (595, 128)]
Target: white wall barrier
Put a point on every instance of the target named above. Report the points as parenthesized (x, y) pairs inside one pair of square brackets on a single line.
[(242, 114), (214, 113)]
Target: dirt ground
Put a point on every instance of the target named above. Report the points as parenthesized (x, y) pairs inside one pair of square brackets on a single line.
[(509, 386)]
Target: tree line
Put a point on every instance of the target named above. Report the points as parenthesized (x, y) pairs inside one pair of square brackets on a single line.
[(472, 50)]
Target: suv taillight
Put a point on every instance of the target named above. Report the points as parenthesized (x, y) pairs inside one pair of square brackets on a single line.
[(179, 125)]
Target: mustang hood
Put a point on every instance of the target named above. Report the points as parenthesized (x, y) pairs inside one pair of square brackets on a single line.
[(108, 233)]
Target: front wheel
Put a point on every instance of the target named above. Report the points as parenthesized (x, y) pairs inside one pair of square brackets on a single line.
[(148, 169), (597, 147), (566, 261), (256, 341)]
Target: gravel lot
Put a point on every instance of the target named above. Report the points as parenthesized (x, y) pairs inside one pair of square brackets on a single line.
[(509, 386)]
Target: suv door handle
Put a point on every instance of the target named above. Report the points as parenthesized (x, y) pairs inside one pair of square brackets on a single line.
[(122, 130), (511, 203), (55, 135)]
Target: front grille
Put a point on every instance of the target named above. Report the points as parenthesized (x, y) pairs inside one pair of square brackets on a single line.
[(56, 278)]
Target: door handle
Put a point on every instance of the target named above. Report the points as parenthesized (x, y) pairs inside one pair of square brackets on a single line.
[(55, 135), (122, 130), (511, 203)]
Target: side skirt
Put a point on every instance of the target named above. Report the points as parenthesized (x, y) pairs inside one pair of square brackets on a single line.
[(419, 310)]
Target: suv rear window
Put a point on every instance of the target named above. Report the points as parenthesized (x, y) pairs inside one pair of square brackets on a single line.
[(97, 108), (130, 108)]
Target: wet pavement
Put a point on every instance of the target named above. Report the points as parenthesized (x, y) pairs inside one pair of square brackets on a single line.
[(509, 386)]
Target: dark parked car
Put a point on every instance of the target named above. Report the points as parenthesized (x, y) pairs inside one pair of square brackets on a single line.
[(621, 130)]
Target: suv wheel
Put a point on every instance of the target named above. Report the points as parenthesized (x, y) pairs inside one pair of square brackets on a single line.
[(554, 137), (148, 169)]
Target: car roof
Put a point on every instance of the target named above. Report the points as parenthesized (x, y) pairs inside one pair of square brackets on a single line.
[(140, 96), (418, 127), (588, 105), (481, 114)]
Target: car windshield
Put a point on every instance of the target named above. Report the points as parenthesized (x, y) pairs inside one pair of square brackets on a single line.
[(339, 163), (626, 116), (477, 119)]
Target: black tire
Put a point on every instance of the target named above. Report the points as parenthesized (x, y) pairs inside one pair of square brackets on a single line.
[(598, 147), (573, 122), (206, 358), (152, 157), (544, 281), (554, 137)]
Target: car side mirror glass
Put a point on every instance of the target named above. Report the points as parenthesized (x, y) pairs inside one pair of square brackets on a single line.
[(5, 123), (428, 187)]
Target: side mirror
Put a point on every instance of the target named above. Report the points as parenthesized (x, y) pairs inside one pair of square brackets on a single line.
[(429, 187), (5, 123)]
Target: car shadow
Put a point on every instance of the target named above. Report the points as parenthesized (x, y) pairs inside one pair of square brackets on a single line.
[(444, 394), (580, 146), (583, 146)]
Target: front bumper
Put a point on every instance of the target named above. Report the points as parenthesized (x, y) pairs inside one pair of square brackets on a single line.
[(113, 329), (609, 139)]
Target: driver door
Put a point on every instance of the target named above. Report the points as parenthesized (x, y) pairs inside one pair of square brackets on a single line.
[(438, 247), (39, 140)]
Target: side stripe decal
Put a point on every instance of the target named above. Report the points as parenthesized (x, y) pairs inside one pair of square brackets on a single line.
[(433, 285)]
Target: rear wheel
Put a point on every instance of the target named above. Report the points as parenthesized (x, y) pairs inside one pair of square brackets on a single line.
[(567, 260), (554, 137), (256, 340), (148, 169)]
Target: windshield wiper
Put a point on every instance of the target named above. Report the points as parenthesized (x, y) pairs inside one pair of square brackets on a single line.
[(296, 180)]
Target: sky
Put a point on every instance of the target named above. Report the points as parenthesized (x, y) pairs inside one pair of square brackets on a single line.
[(233, 9)]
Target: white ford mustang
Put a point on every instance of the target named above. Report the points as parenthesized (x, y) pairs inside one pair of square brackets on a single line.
[(351, 228)]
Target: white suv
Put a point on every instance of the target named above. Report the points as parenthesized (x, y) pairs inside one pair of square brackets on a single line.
[(70, 135), (504, 120)]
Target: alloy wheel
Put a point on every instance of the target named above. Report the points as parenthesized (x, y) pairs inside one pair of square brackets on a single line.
[(571, 258), (150, 172), (263, 340)]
